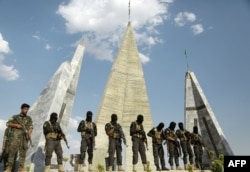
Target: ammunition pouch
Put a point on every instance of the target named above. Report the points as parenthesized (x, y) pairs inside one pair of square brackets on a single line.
[(52, 135), (138, 135)]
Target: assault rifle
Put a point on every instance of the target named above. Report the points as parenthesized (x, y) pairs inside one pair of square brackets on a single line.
[(2, 156), (63, 137), (25, 132), (178, 147)]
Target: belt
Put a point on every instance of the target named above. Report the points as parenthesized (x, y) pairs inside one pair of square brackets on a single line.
[(51, 136), (137, 135)]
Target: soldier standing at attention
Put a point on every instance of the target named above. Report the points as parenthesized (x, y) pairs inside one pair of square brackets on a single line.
[(138, 139), (157, 135), (21, 128), (116, 135), (88, 132), (185, 137), (172, 146), (198, 145), (53, 135)]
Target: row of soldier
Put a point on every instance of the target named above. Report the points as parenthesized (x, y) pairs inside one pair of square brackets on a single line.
[(20, 127)]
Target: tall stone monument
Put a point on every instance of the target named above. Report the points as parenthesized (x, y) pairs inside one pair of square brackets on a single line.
[(199, 113), (58, 96), (126, 95)]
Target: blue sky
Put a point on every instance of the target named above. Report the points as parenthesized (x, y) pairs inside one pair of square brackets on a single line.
[(37, 36)]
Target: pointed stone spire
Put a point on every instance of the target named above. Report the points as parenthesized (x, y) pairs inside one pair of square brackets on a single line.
[(199, 113), (58, 96), (126, 95)]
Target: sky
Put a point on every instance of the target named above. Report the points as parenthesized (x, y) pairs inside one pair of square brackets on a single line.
[(37, 36)]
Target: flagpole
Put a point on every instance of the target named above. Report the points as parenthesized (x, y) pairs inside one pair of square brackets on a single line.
[(186, 59)]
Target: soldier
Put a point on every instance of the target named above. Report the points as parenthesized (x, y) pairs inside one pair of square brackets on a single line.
[(21, 126), (88, 132), (185, 137), (53, 135), (198, 145), (5, 148), (157, 138), (138, 139), (173, 146), (116, 135)]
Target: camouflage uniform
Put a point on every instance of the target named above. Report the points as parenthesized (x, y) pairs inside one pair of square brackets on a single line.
[(53, 133), (196, 141), (138, 139), (184, 137), (116, 135), (158, 152), (6, 141), (18, 142), (172, 147), (88, 132)]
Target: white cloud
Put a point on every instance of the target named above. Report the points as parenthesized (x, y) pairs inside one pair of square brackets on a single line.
[(103, 22), (183, 18), (47, 47), (197, 29), (144, 59), (6, 72), (73, 123), (36, 37), (4, 45)]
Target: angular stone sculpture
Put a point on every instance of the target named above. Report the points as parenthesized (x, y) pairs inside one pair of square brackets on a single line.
[(58, 96), (126, 95), (199, 113)]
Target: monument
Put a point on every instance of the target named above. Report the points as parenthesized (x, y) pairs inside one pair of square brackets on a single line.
[(58, 96), (199, 113), (125, 95)]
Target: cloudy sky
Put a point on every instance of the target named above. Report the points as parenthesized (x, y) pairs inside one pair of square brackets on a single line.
[(37, 36)]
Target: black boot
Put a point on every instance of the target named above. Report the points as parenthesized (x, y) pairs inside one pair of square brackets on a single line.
[(158, 168), (165, 169)]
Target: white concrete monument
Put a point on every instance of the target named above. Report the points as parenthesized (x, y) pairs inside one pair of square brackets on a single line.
[(199, 113), (125, 95), (58, 96)]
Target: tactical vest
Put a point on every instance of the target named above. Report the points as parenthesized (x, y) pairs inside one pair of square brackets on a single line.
[(116, 134), (53, 134), (196, 139), (138, 127), (182, 135), (172, 133), (158, 136), (88, 125)]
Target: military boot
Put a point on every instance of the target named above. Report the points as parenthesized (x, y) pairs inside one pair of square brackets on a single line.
[(120, 168), (8, 169), (80, 168), (90, 167), (145, 167), (110, 168), (134, 168), (158, 168), (60, 168), (172, 167), (165, 169), (47, 168)]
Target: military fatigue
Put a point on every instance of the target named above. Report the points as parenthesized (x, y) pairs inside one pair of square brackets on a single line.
[(198, 144), (172, 147), (88, 133), (138, 139), (115, 134), (6, 142), (52, 133), (184, 137), (158, 152), (18, 142)]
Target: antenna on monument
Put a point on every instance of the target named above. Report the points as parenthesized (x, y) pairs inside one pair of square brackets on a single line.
[(129, 11), (185, 52)]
